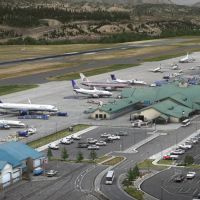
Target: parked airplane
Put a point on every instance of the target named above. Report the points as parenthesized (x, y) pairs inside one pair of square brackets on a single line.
[(158, 69), (93, 92), (133, 82), (106, 85), (27, 107), (12, 123), (175, 67), (187, 59)]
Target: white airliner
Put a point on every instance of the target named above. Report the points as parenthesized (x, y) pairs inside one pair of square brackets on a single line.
[(93, 92), (133, 82), (12, 123), (108, 85), (158, 69), (187, 59), (27, 107)]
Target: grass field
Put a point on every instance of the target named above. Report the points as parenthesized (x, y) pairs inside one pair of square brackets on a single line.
[(144, 53), (91, 72), (12, 52), (147, 165), (7, 89), (132, 191)]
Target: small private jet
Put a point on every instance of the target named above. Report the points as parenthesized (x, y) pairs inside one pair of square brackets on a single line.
[(175, 67), (156, 70), (132, 82), (90, 92), (187, 59)]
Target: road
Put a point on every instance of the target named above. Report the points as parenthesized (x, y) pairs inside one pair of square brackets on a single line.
[(157, 145)]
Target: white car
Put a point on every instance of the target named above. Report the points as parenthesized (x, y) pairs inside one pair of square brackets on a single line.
[(51, 173), (91, 140), (53, 146), (101, 143), (105, 135), (76, 137), (66, 141), (114, 137), (31, 130), (178, 152), (185, 146), (190, 175), (93, 147)]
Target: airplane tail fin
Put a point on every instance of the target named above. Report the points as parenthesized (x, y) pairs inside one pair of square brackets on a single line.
[(113, 77), (84, 78), (74, 85)]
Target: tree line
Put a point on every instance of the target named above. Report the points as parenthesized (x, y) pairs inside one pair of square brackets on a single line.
[(31, 16)]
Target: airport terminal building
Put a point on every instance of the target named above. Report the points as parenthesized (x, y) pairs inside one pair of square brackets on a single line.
[(168, 103)]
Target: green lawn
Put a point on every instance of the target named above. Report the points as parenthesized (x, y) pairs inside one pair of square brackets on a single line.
[(113, 161), (147, 165), (137, 194), (75, 75), (55, 136), (7, 89)]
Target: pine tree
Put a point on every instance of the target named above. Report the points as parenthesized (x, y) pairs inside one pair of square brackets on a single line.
[(49, 154), (64, 154), (93, 155), (79, 156)]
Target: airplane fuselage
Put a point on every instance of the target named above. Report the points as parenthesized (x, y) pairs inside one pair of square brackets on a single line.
[(27, 107)]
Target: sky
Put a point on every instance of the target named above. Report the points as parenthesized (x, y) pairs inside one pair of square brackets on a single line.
[(186, 2)]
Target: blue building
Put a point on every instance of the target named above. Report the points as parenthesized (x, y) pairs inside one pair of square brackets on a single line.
[(16, 159)]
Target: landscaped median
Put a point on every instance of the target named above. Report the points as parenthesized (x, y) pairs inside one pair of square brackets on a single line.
[(57, 136)]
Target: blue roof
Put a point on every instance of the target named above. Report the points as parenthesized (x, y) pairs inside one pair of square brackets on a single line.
[(16, 152), (2, 164)]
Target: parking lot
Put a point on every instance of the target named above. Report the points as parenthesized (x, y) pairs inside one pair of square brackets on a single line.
[(165, 185), (133, 137)]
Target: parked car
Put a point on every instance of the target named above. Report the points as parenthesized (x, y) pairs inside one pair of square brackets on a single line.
[(51, 173), (53, 146), (76, 137), (4, 126), (38, 171), (105, 135), (179, 178), (83, 145), (66, 141), (91, 140), (101, 143), (108, 140), (185, 146), (93, 147), (122, 133), (190, 175), (178, 152), (170, 157), (114, 137)]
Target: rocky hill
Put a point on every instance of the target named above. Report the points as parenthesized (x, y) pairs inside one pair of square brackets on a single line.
[(96, 22)]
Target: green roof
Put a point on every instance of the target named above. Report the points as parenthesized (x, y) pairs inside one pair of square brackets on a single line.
[(170, 108), (118, 105), (184, 95)]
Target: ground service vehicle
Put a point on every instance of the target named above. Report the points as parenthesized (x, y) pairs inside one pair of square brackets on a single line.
[(185, 122), (51, 173), (110, 177)]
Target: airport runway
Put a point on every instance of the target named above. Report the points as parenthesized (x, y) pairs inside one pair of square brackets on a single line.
[(42, 77)]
